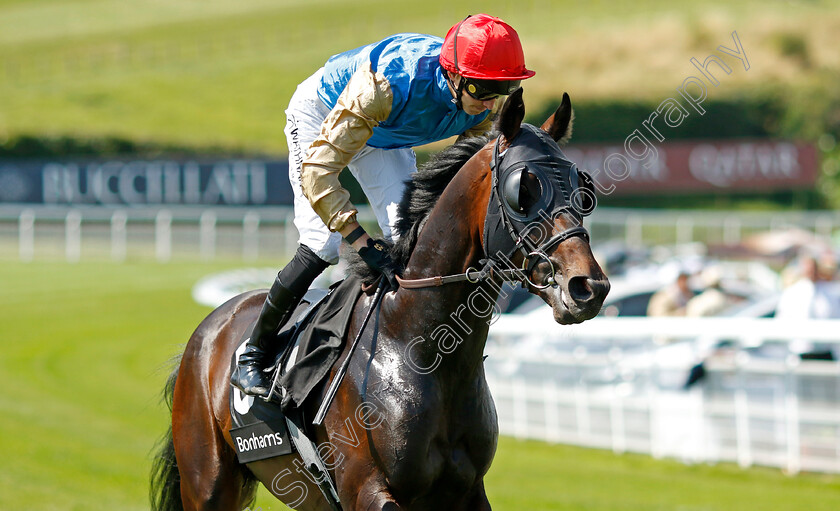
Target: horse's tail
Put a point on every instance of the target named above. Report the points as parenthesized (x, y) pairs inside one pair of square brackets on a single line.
[(165, 489)]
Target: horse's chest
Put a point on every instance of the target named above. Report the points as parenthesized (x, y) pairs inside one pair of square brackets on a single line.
[(436, 436)]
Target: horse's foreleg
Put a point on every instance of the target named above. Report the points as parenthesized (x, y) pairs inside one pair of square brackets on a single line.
[(375, 496), (380, 503), (287, 479), (479, 501)]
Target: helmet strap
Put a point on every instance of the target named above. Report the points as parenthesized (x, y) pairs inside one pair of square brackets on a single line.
[(460, 94), (459, 90)]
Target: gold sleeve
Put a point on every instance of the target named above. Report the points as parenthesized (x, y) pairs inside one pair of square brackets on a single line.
[(486, 125), (365, 102)]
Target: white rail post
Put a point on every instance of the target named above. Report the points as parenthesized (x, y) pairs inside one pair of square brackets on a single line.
[(520, 408), (704, 444), (685, 230), (26, 235), (207, 235), (617, 428), (731, 230), (163, 236), (552, 415), (633, 231), (584, 424), (119, 235), (250, 236), (794, 455), (742, 412), (73, 236), (654, 398)]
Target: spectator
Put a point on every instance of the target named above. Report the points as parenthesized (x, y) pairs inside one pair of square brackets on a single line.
[(712, 300), (811, 296), (671, 300)]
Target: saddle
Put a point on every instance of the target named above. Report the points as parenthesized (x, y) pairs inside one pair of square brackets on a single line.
[(309, 344)]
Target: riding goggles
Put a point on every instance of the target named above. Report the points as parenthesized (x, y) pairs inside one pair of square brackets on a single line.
[(485, 90)]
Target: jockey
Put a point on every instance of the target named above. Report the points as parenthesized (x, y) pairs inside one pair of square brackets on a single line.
[(365, 110)]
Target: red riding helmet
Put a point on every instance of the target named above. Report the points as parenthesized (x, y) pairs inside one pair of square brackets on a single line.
[(485, 49)]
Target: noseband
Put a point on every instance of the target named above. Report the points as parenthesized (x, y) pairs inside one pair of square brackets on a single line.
[(533, 183)]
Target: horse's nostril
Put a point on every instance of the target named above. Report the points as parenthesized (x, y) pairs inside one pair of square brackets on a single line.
[(586, 290), (579, 289)]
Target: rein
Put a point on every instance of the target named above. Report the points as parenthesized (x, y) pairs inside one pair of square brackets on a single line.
[(472, 276), (493, 268)]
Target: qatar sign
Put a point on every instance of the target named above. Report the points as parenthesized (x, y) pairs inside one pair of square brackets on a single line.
[(703, 166)]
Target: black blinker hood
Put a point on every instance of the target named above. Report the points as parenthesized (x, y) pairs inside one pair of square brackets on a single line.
[(533, 151)]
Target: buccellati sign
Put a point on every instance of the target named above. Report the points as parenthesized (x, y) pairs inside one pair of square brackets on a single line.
[(146, 182)]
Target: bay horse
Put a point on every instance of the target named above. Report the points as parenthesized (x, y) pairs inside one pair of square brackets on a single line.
[(413, 425)]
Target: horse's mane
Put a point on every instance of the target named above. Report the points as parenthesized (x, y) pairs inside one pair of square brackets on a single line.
[(420, 196), (424, 189)]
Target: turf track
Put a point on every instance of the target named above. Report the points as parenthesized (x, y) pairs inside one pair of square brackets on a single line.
[(85, 350)]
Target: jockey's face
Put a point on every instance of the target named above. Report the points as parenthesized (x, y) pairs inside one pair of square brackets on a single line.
[(471, 105)]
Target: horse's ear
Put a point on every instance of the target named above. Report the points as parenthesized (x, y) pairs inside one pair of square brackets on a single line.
[(559, 125), (510, 118)]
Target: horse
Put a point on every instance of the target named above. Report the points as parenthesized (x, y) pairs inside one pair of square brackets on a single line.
[(413, 425)]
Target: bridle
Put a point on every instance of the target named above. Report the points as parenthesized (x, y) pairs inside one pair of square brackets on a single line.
[(544, 163), (509, 224)]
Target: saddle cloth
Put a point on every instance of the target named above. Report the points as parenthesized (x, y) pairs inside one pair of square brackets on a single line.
[(308, 346)]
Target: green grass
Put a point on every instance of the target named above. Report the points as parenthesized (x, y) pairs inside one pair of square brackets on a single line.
[(220, 72), (84, 351), (84, 359)]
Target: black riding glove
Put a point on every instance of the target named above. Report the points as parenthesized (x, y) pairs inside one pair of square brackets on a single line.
[(376, 255)]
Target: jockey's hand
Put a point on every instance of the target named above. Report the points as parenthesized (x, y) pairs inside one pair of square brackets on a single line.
[(376, 255)]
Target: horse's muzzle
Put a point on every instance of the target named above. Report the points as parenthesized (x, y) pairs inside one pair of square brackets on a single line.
[(588, 293), (578, 299)]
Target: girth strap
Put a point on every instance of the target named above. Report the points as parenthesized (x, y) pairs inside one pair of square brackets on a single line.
[(312, 460)]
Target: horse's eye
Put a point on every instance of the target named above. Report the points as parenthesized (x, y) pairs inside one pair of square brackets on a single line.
[(530, 190), (522, 190)]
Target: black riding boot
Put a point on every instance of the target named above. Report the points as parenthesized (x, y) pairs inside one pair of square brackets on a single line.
[(248, 375), (288, 288)]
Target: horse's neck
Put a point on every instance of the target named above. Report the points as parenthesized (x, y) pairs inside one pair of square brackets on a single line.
[(450, 242)]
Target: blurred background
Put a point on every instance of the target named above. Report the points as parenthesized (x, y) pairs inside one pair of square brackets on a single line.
[(143, 182)]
